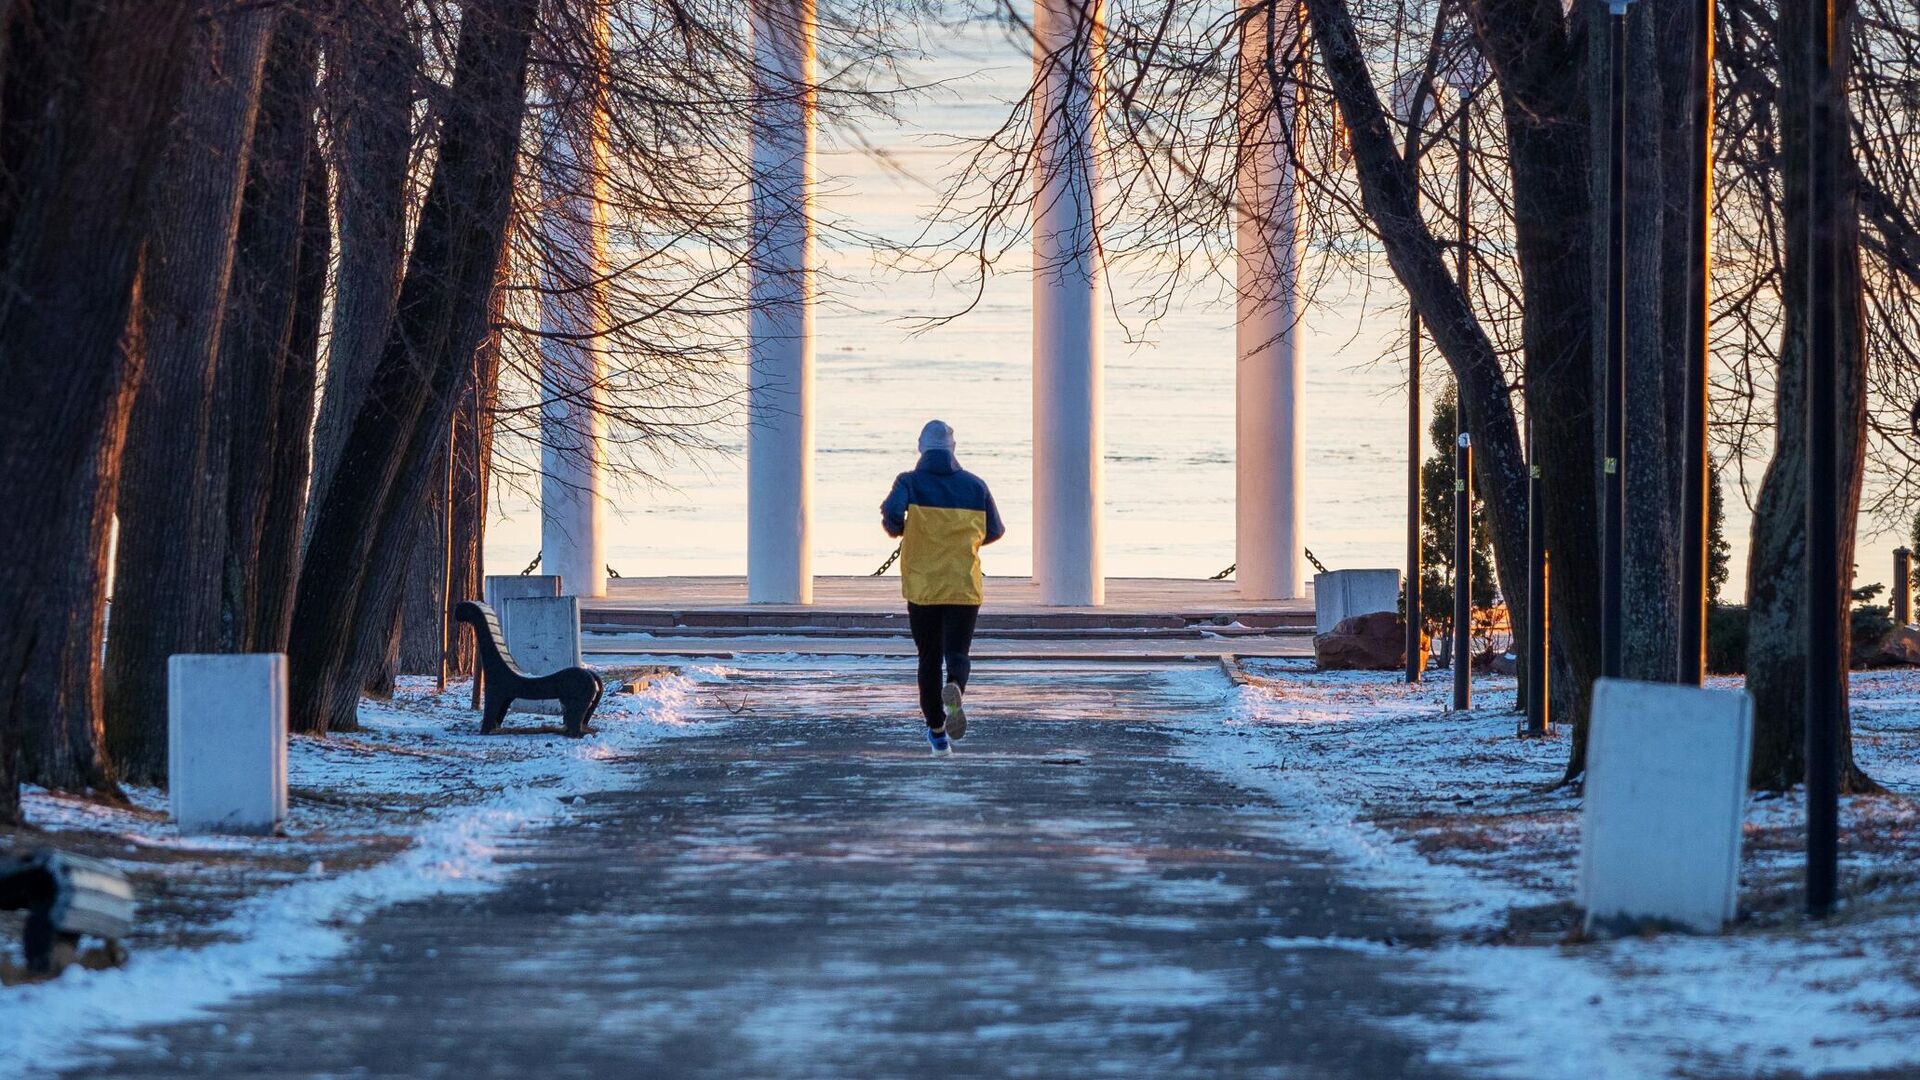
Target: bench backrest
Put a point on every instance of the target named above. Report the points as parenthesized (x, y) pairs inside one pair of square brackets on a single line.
[(487, 634)]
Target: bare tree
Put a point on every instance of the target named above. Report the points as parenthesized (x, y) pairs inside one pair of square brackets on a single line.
[(171, 500), (82, 115), (356, 558)]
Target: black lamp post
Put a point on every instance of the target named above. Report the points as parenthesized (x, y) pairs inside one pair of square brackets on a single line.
[(1614, 476), (1463, 572), (1412, 102), (1826, 139)]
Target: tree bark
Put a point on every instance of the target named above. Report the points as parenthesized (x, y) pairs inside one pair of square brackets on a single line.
[(1659, 115), (258, 339), (370, 103), (1776, 601), (87, 115), (286, 500), (171, 499), (423, 607), (356, 558)]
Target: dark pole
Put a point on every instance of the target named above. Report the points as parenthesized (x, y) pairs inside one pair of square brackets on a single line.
[(1414, 623), (1462, 572), (1539, 701), (1613, 487), (1902, 586), (1695, 478), (1824, 596)]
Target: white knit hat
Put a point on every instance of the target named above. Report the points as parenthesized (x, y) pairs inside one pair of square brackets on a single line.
[(937, 435)]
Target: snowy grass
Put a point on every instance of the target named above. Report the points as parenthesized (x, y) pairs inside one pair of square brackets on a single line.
[(1465, 820), (417, 803)]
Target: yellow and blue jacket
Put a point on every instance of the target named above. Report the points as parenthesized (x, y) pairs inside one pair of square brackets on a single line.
[(945, 514)]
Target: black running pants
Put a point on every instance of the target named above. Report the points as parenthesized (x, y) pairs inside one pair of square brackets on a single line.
[(943, 635)]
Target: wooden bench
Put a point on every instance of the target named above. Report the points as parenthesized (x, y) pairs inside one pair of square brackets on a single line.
[(576, 688)]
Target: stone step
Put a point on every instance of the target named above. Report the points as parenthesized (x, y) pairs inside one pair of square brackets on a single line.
[(995, 633), (738, 620)]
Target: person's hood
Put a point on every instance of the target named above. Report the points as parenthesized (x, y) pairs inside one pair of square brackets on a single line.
[(939, 461)]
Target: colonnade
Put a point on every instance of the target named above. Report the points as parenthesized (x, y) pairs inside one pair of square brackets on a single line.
[(1068, 287)]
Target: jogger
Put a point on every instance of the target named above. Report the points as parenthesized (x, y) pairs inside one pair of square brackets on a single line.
[(943, 515)]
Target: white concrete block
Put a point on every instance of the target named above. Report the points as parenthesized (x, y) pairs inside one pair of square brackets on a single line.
[(544, 633), (1666, 792), (504, 587), (227, 742), (1341, 594)]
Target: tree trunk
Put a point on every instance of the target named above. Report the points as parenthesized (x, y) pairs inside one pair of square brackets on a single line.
[(423, 607), (171, 499), (86, 94), (1531, 44), (279, 557), (356, 558), (1659, 114), (1389, 195), (472, 452), (370, 102), (1776, 600), (261, 314)]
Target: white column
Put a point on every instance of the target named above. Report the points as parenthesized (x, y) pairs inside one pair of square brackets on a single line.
[(1270, 447), (1068, 439), (573, 318), (780, 322)]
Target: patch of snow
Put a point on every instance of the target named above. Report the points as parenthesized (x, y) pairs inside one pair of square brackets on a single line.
[(1373, 766)]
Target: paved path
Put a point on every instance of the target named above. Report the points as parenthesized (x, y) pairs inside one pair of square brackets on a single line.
[(803, 892)]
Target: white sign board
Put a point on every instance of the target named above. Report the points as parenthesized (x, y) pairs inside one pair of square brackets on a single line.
[(1666, 792), (227, 742), (1342, 594)]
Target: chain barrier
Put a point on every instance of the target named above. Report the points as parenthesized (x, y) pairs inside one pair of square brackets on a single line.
[(885, 566), (1228, 572), (534, 565)]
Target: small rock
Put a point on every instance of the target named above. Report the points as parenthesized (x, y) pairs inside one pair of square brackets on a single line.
[(1376, 641), (1900, 648)]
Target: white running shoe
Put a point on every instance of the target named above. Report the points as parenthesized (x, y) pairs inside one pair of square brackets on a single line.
[(956, 712)]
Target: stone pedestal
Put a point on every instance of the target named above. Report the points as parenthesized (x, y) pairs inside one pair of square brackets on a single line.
[(544, 636), (504, 587), (227, 742), (1342, 594), (1665, 795)]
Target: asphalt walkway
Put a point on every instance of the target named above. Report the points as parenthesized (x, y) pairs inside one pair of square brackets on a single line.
[(801, 891)]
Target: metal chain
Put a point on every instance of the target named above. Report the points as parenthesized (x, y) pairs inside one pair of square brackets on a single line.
[(1228, 572), (885, 566), (534, 565)]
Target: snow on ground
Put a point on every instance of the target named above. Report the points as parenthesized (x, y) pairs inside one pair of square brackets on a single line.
[(1455, 812), (414, 804)]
